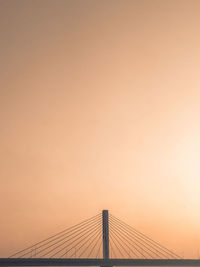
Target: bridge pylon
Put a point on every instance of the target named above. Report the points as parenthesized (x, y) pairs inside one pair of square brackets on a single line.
[(105, 230)]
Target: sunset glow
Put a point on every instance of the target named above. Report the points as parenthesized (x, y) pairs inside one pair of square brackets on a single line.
[(100, 109)]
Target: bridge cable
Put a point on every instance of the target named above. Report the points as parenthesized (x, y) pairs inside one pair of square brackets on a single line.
[(145, 237), (68, 230), (133, 246), (99, 249), (117, 239), (133, 231), (113, 240), (123, 233), (141, 241), (126, 231), (82, 236), (73, 236), (150, 248), (129, 247), (86, 241), (94, 245), (78, 240), (127, 242), (112, 250), (79, 231)]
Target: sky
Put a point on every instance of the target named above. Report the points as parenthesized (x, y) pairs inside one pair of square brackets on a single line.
[(99, 109)]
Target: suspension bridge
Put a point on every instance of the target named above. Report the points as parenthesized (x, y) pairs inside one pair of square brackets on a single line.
[(102, 240)]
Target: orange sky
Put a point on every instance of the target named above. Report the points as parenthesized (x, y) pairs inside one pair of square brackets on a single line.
[(100, 108)]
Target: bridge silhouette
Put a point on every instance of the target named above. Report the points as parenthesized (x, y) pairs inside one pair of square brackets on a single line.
[(102, 240)]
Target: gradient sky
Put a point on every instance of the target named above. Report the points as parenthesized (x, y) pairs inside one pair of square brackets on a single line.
[(100, 109)]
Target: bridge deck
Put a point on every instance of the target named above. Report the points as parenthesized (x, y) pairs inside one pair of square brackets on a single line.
[(96, 262)]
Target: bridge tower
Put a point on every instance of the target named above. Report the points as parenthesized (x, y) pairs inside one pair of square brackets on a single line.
[(105, 225), (105, 230)]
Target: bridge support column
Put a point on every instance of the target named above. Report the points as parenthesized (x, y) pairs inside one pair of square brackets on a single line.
[(105, 230)]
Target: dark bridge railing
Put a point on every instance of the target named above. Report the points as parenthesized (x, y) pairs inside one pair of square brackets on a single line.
[(6, 262)]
